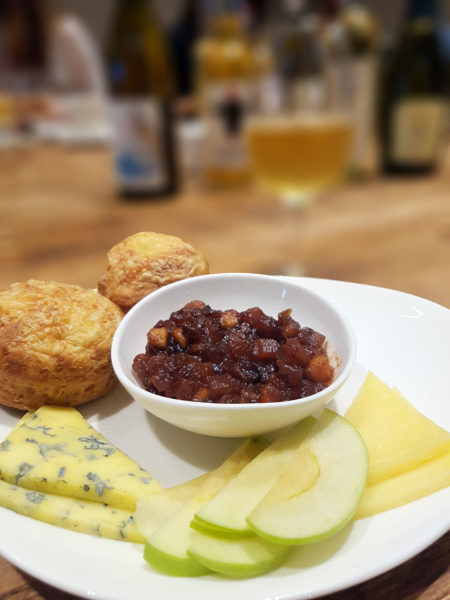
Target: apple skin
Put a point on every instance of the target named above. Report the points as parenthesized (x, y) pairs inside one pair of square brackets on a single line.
[(172, 565), (225, 515), (216, 531), (157, 508), (166, 548), (331, 502), (246, 557)]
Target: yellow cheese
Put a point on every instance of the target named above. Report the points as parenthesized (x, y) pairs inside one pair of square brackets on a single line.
[(84, 516), (398, 437), (427, 478), (55, 450)]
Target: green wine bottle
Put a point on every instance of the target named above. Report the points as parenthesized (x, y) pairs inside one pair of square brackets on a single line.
[(413, 101), (140, 80)]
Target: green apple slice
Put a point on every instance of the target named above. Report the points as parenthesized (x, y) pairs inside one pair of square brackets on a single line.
[(207, 529), (166, 549), (244, 557), (330, 503), (155, 509), (225, 515)]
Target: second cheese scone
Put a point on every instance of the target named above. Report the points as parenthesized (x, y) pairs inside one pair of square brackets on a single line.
[(55, 341), (143, 262)]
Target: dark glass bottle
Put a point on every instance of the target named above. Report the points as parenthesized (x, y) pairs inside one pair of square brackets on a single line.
[(140, 80), (350, 32), (300, 55), (413, 101)]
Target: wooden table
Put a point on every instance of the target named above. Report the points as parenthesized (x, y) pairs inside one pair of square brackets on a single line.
[(59, 215)]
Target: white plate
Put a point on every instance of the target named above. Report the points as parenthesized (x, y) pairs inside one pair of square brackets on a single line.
[(402, 338)]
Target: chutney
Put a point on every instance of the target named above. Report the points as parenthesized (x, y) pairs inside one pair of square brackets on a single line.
[(231, 357)]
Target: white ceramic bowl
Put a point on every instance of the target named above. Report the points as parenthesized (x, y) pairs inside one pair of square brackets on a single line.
[(239, 291)]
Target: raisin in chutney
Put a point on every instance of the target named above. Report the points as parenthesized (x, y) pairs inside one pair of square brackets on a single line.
[(230, 357)]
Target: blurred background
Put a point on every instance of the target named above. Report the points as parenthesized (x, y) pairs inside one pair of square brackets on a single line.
[(299, 137)]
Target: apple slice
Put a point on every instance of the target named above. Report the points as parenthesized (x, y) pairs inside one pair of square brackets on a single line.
[(155, 509), (287, 517), (245, 557), (225, 515), (166, 549)]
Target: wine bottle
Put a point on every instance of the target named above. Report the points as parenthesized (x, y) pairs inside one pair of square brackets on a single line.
[(140, 81), (230, 70), (413, 103), (300, 56), (351, 41)]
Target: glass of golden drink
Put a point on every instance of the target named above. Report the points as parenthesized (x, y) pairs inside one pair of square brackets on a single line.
[(296, 156)]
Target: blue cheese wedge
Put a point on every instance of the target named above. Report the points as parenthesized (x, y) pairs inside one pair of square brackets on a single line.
[(84, 516), (55, 450)]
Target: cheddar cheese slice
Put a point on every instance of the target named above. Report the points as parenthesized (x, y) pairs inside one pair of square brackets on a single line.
[(427, 478), (409, 455), (85, 516), (398, 437), (55, 450)]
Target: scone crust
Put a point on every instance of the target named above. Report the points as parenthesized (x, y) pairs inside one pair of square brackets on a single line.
[(55, 341), (145, 261)]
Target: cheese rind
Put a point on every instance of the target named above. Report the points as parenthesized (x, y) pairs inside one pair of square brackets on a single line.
[(55, 450), (84, 516)]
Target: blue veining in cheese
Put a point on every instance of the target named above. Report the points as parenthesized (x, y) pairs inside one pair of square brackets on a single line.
[(55, 450), (84, 516)]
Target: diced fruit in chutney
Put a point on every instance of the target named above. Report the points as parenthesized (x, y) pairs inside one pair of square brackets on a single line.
[(398, 437), (229, 318), (319, 369), (249, 357), (157, 337), (270, 393), (263, 349), (296, 352), (180, 337)]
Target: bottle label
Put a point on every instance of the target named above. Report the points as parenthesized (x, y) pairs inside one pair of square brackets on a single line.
[(139, 144), (417, 130), (227, 108)]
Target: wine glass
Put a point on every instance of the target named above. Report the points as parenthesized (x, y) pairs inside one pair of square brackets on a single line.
[(296, 157), (302, 145)]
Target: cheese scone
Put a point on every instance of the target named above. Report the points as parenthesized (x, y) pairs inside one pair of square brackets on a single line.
[(55, 341), (146, 261)]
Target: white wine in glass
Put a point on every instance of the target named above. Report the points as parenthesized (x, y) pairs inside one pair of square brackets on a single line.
[(296, 157)]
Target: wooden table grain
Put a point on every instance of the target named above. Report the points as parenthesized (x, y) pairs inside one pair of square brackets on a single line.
[(59, 215)]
